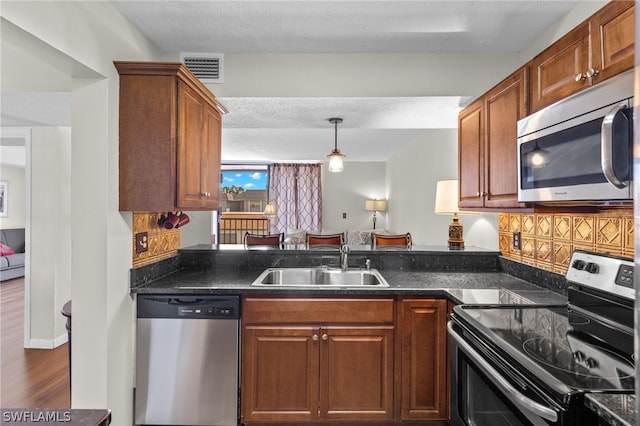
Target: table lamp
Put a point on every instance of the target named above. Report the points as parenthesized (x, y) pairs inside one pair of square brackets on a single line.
[(375, 206), (447, 203)]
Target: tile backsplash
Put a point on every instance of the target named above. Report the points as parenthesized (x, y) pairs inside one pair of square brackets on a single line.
[(161, 242), (547, 240)]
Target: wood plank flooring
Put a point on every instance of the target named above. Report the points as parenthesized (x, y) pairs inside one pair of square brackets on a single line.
[(29, 378)]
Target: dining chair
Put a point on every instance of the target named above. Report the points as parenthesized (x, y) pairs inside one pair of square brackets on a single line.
[(329, 240), (392, 241), (256, 240)]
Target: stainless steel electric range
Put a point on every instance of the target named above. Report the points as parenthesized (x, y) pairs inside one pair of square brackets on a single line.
[(533, 364)]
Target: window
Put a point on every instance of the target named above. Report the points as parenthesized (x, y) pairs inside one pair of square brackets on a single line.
[(244, 188)]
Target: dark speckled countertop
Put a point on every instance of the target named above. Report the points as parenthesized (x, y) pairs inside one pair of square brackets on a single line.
[(469, 276), (614, 409)]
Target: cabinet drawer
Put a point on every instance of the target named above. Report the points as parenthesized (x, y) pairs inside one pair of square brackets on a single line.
[(266, 310)]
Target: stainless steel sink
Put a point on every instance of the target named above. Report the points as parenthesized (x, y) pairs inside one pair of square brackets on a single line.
[(320, 277)]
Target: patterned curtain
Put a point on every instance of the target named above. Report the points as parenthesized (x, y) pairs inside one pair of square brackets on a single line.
[(296, 191)]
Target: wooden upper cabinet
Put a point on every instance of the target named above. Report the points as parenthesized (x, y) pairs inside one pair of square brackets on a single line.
[(470, 140), (487, 145), (554, 72), (504, 105), (613, 39), (170, 139), (597, 49)]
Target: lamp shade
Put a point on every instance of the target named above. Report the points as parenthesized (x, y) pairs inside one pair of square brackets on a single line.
[(270, 210), (447, 197), (375, 205)]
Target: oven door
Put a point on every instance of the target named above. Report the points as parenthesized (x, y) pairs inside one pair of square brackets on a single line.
[(481, 395)]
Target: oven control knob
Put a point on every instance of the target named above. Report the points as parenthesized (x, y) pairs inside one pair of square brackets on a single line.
[(591, 363), (592, 268), (578, 264)]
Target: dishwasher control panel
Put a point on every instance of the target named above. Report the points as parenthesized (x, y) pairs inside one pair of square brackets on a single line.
[(189, 307), (206, 312)]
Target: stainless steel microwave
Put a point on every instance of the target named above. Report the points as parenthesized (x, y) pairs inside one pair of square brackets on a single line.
[(580, 150)]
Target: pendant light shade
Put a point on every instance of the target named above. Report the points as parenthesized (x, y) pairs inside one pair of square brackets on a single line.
[(335, 158)]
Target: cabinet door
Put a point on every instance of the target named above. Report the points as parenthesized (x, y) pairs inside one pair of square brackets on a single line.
[(424, 359), (356, 373), (280, 376), (504, 105), (190, 147), (470, 135), (211, 158), (612, 39), (554, 71)]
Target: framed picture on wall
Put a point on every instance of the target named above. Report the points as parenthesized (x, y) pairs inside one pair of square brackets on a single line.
[(3, 198)]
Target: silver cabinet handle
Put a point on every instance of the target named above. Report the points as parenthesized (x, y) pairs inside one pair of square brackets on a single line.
[(512, 393), (606, 146), (315, 337), (325, 337), (580, 77), (592, 73)]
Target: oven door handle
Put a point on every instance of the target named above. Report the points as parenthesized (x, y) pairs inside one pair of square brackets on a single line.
[(606, 146), (511, 392)]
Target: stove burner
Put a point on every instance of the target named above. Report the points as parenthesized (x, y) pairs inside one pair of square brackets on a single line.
[(586, 362)]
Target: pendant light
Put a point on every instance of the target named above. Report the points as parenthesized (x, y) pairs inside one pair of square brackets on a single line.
[(335, 158)]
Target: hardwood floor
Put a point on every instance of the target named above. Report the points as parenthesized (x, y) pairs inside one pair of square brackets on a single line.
[(29, 378)]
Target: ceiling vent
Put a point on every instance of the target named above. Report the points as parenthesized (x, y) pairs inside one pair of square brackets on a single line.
[(208, 67)]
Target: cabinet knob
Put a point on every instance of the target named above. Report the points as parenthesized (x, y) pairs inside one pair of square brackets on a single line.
[(592, 72), (580, 77), (315, 337), (325, 337)]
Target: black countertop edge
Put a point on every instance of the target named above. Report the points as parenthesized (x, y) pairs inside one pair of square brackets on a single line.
[(204, 258), (615, 409), (54, 416), (546, 279)]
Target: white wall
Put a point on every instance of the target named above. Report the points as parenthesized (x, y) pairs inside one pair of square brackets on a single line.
[(49, 244), (412, 174), (347, 191)]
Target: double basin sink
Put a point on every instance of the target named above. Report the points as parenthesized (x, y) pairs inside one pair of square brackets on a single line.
[(320, 277)]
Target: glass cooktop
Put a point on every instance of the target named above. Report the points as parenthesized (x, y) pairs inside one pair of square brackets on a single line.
[(566, 350)]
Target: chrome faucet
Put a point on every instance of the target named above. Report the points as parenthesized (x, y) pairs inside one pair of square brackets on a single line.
[(344, 256)]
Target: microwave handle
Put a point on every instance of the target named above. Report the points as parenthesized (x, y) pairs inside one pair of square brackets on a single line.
[(514, 394), (606, 146)]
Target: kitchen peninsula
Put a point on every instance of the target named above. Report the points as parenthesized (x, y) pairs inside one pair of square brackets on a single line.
[(399, 331)]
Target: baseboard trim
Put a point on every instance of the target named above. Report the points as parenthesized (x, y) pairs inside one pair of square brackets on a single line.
[(47, 343)]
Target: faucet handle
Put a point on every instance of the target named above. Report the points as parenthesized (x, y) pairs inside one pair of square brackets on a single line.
[(345, 248), (367, 264)]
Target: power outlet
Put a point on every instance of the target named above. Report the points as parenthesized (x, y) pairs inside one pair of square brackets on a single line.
[(344, 215), (142, 242), (516, 241)]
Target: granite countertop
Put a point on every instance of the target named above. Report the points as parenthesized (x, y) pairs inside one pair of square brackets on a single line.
[(615, 409), (461, 287)]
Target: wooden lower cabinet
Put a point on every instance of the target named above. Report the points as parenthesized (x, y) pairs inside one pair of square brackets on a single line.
[(344, 361), (331, 360), (425, 375)]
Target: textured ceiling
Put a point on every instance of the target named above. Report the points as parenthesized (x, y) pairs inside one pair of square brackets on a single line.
[(342, 26), (296, 129)]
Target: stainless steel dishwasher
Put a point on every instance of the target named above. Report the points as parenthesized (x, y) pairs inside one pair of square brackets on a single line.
[(187, 360)]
